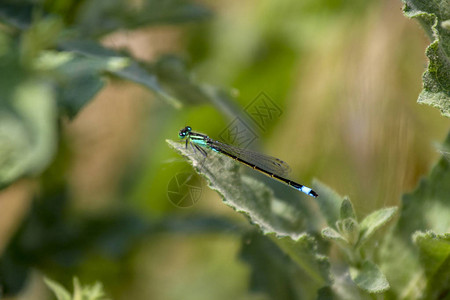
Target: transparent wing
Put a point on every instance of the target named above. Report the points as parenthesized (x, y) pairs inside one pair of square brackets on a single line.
[(265, 162)]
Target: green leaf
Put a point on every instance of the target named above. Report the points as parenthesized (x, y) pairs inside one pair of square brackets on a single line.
[(174, 77), (436, 80), (434, 250), (60, 292), (87, 292), (27, 131), (369, 278), (94, 292), (349, 228), (347, 210), (97, 59), (79, 75), (75, 93), (272, 271), (374, 221), (426, 208), (96, 18), (80, 81), (329, 202), (303, 250), (168, 77), (331, 234), (41, 35), (435, 259), (276, 218)]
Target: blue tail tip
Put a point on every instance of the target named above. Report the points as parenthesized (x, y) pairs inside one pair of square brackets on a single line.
[(308, 191)]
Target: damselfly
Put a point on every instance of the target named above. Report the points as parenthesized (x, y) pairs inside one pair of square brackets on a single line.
[(267, 165)]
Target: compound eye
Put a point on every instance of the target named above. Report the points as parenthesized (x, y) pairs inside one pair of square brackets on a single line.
[(184, 132)]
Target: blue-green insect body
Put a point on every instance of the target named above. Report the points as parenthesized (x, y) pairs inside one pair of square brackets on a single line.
[(267, 165)]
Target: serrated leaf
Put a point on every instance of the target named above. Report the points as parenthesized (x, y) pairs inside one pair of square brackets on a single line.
[(435, 259), (426, 208), (331, 234), (255, 200), (329, 202), (244, 194), (369, 278), (60, 292), (374, 221), (434, 250), (347, 210), (436, 80)]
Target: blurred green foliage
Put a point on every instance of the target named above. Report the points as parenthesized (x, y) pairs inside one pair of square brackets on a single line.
[(94, 292), (338, 81)]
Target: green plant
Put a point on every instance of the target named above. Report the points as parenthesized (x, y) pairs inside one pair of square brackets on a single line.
[(94, 292), (410, 261), (53, 64), (374, 266)]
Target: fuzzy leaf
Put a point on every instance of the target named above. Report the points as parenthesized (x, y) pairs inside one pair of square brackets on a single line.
[(436, 80), (349, 228), (276, 218), (374, 221), (331, 234), (434, 249), (347, 210), (60, 292), (435, 258), (329, 202), (369, 278), (426, 208)]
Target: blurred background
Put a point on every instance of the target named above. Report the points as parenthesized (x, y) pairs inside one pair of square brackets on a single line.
[(343, 76)]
